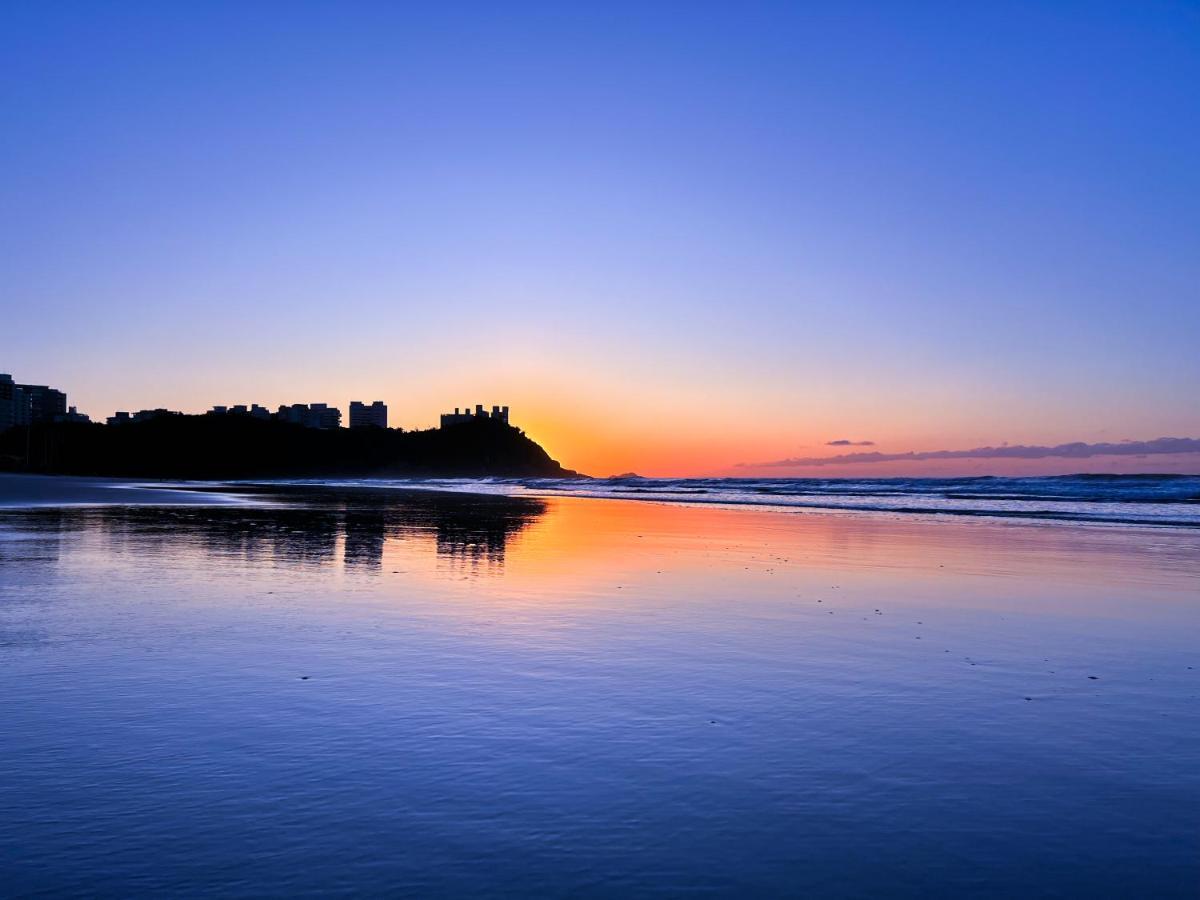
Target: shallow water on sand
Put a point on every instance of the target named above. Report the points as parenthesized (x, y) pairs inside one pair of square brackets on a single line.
[(378, 692)]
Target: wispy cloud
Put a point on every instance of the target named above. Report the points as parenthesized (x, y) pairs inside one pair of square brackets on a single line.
[(845, 443), (1077, 450)]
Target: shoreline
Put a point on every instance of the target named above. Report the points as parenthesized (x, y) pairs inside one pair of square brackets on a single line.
[(21, 491), (1031, 510), (48, 491)]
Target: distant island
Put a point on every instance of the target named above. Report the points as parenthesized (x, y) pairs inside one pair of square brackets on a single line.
[(218, 447)]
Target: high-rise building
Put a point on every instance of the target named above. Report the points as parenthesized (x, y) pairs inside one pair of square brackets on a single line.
[(8, 402), (322, 416), (373, 416), (25, 404), (44, 402)]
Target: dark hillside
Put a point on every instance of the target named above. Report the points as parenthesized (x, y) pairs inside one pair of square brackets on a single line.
[(218, 447)]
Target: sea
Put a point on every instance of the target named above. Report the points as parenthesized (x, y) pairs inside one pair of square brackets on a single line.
[(1167, 500)]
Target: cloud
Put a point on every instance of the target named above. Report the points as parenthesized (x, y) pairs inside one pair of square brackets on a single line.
[(1076, 450), (845, 443)]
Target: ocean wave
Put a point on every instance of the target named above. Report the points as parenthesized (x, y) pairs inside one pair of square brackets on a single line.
[(1160, 500)]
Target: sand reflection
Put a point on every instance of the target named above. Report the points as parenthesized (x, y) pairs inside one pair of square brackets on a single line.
[(309, 528)]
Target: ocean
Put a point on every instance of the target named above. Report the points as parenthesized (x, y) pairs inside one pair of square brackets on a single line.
[(1168, 500)]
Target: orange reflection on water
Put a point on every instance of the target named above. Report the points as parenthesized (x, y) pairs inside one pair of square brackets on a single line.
[(580, 547), (559, 552)]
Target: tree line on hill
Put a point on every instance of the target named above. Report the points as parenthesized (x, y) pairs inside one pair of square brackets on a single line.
[(241, 447)]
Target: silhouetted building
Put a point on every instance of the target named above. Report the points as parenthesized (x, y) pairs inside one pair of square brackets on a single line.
[(28, 404), (323, 416), (254, 410), (145, 415), (44, 402), (311, 415), (498, 413), (72, 415), (373, 416), (11, 398), (297, 413), (142, 415)]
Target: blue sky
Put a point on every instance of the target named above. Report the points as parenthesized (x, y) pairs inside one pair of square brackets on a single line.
[(671, 236)]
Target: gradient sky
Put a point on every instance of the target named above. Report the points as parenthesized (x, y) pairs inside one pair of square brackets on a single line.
[(672, 237)]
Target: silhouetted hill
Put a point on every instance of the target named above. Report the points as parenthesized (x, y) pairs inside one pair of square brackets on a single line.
[(219, 447)]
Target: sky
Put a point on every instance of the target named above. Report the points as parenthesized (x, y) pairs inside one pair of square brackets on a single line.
[(675, 238)]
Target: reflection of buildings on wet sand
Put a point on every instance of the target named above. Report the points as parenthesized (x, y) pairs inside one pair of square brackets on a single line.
[(465, 528), (308, 527), (482, 544), (366, 533)]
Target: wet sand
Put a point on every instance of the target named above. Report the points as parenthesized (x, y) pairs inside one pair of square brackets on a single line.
[(70, 490), (353, 692)]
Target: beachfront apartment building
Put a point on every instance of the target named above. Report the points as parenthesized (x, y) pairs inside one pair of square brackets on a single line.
[(11, 400), (364, 416), (46, 404), (29, 404)]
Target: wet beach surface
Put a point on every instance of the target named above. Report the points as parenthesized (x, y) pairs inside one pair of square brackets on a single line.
[(355, 691), (21, 491)]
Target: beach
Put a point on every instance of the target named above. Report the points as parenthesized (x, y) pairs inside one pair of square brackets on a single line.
[(341, 690), (24, 491)]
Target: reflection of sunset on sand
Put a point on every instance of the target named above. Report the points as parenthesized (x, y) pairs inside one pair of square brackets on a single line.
[(580, 542)]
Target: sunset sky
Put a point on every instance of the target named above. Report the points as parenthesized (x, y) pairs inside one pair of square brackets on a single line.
[(671, 237)]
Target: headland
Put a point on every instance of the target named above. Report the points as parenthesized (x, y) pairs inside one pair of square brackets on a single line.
[(241, 447)]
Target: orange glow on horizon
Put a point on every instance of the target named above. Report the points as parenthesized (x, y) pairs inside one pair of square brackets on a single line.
[(609, 427), (603, 452)]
